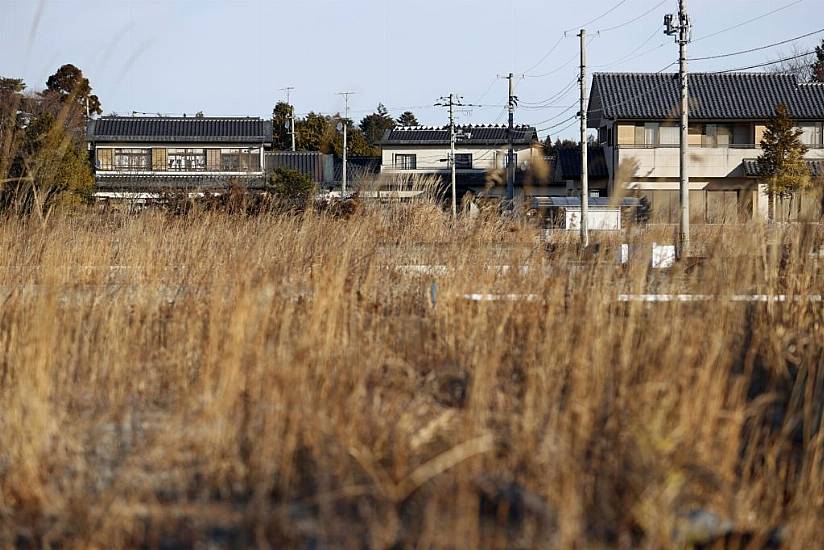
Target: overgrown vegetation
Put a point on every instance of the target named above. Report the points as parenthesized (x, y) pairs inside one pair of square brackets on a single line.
[(315, 381), (43, 160)]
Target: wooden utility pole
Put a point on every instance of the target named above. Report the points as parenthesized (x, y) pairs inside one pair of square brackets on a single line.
[(683, 30), (584, 145)]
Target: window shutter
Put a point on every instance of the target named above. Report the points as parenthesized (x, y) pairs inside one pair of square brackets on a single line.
[(105, 159), (159, 160), (213, 160)]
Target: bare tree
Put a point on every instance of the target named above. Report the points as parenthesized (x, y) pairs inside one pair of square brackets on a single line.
[(801, 66)]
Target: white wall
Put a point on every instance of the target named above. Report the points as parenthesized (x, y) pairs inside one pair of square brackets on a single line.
[(484, 158)]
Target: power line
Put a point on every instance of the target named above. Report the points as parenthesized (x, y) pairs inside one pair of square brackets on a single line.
[(649, 39), (591, 21), (564, 35), (558, 115), (757, 49), (748, 21), (555, 70), (811, 52), (542, 103), (547, 54), (562, 130), (633, 20), (550, 127)]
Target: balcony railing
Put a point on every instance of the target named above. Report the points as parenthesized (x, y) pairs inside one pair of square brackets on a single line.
[(702, 146)]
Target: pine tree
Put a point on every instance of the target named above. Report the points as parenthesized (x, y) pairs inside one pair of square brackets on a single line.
[(70, 84), (407, 119), (374, 126), (782, 164)]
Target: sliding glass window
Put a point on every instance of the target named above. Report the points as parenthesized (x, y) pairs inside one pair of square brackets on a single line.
[(132, 159), (187, 160)]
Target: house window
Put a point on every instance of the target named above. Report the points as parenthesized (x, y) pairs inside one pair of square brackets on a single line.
[(406, 162), (105, 159), (651, 133), (463, 161), (240, 160), (670, 135), (132, 159), (811, 135), (187, 160)]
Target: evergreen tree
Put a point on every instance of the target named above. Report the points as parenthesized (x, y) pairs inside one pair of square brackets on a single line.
[(781, 163), (407, 119), (281, 138), (311, 130), (818, 64), (374, 126), (70, 85)]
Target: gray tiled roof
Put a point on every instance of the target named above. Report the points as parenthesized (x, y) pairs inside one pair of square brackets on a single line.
[(734, 96), (480, 135), (180, 129), (752, 170)]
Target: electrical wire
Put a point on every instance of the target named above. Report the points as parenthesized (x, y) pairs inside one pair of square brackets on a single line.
[(739, 69), (631, 21), (543, 103), (748, 21), (562, 130), (819, 31), (591, 21), (655, 33), (558, 115), (547, 54)]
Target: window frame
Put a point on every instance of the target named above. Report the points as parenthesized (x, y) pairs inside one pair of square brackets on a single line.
[(405, 161), (463, 165)]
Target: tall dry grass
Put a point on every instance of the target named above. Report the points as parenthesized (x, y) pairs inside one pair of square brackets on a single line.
[(279, 380)]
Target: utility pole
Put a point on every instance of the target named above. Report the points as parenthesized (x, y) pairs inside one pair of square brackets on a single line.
[(584, 145), (288, 91), (451, 102), (510, 166), (684, 32), (345, 128), (511, 159)]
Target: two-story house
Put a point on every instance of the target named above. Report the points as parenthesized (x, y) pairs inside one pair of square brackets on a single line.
[(479, 152), (637, 116), (134, 156)]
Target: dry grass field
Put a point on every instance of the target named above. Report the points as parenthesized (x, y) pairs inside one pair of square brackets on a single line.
[(299, 380)]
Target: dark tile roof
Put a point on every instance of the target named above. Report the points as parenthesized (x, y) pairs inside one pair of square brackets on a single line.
[(734, 96), (180, 129), (752, 170), (480, 135), (568, 166)]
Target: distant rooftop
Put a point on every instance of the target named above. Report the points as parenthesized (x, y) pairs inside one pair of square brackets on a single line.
[(713, 96), (477, 135), (180, 129)]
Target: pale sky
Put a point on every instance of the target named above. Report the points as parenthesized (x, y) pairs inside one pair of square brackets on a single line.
[(232, 57)]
